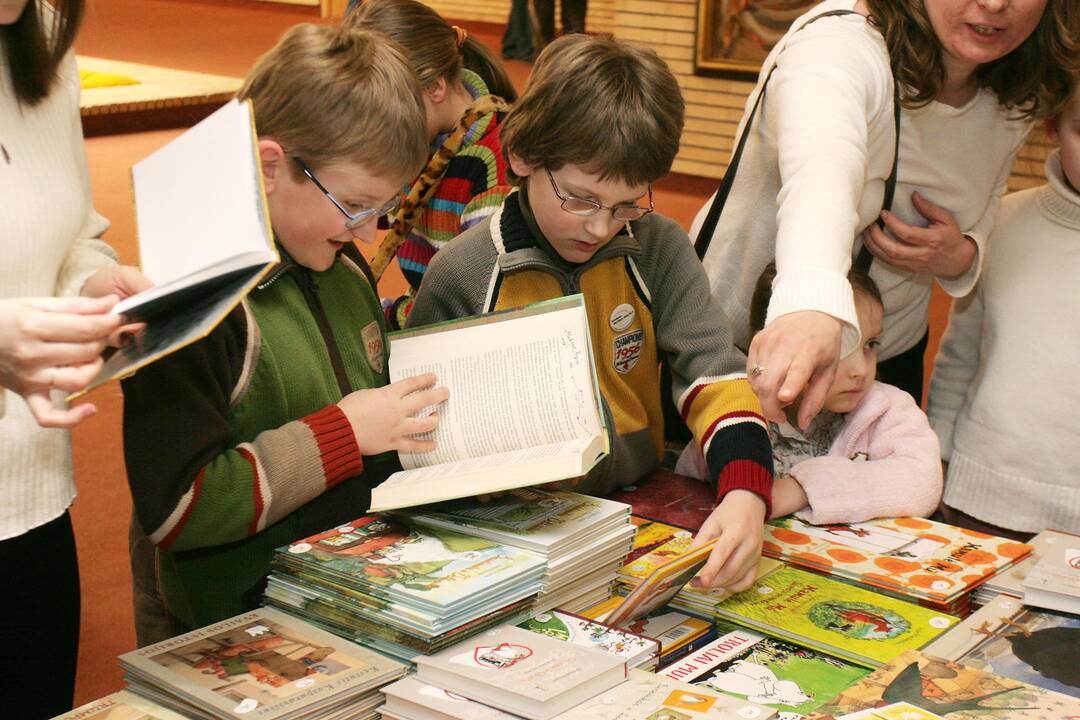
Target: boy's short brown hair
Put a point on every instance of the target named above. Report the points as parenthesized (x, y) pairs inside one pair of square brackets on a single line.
[(609, 106), (332, 94)]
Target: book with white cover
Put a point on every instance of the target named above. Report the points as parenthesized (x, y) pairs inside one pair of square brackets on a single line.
[(204, 235), (1054, 581), (409, 698), (520, 672), (645, 696), (121, 705), (1011, 580), (524, 405)]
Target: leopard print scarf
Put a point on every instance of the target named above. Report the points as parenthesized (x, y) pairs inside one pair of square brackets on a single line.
[(428, 181)]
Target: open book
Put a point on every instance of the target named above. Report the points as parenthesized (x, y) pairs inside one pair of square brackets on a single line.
[(204, 236), (524, 403)]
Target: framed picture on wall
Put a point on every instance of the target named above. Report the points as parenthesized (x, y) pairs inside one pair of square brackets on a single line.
[(735, 36)]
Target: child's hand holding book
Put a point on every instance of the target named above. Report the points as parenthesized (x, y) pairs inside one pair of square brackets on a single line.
[(383, 418)]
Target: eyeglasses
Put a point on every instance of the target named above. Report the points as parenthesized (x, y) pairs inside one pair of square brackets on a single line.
[(583, 207), (352, 220)]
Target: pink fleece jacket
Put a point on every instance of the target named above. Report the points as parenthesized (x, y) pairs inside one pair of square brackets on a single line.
[(884, 463)]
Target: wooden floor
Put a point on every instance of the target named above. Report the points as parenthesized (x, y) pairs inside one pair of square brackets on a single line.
[(221, 37)]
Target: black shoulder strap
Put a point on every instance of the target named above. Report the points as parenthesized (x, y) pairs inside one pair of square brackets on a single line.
[(708, 227)]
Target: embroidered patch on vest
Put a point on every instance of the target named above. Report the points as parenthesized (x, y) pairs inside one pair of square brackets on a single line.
[(373, 346), (628, 350)]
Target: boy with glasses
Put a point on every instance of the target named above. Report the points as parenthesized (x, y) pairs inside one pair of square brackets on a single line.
[(278, 423), (600, 121)]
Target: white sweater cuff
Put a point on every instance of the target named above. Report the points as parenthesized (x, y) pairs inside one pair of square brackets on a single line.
[(959, 287), (817, 289)]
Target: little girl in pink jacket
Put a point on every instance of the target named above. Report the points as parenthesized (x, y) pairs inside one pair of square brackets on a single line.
[(870, 453)]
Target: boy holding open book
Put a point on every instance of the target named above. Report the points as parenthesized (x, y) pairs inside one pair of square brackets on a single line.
[(600, 121), (277, 424)]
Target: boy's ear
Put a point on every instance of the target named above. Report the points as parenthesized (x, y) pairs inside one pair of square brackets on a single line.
[(436, 91), (521, 168), (273, 160)]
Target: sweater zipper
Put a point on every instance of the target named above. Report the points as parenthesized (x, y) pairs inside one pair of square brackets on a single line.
[(311, 294)]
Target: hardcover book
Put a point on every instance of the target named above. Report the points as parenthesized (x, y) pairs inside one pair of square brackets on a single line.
[(660, 585), (523, 410), (845, 621), (1054, 581), (521, 672), (263, 664), (645, 696), (1010, 581), (410, 699), (1008, 638), (204, 237), (791, 679), (121, 705), (915, 557), (923, 687)]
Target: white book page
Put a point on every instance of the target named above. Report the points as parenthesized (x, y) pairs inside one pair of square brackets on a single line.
[(514, 384), (198, 200)]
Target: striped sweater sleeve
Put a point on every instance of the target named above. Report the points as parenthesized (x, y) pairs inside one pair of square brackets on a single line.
[(194, 487)]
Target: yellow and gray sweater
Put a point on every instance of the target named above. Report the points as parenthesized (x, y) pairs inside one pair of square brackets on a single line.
[(647, 299)]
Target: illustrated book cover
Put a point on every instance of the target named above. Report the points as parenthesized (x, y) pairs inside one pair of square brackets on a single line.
[(1054, 581), (263, 664), (843, 620), (524, 405), (522, 672), (914, 557), (923, 687), (204, 237), (636, 650)]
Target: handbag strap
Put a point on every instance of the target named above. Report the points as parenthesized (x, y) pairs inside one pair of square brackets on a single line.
[(708, 227)]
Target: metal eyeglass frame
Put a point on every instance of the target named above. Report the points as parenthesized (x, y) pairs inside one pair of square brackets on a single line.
[(352, 220), (639, 211)]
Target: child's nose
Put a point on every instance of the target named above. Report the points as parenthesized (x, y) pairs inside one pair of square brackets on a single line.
[(365, 232), (599, 225)]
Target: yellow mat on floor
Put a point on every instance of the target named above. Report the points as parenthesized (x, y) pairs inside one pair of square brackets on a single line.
[(154, 88)]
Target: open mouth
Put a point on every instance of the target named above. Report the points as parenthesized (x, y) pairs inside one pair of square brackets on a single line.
[(985, 30)]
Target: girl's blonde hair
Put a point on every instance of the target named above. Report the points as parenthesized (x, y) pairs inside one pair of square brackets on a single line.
[(340, 95), (435, 48), (1033, 79)]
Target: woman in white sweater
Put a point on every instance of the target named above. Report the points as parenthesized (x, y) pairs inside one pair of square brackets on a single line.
[(50, 341), (814, 171), (1006, 384)]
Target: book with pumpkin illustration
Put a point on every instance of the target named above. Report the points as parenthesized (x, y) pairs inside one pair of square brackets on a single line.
[(918, 685), (913, 558), (846, 621)]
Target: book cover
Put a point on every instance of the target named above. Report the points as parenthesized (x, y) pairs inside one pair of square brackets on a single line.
[(516, 511), (433, 567), (410, 698), (1010, 581), (844, 620), (917, 557), (635, 649), (204, 238), (1054, 581), (645, 696), (263, 664), (923, 687), (524, 405), (656, 589), (121, 705), (1008, 638), (522, 672), (789, 678)]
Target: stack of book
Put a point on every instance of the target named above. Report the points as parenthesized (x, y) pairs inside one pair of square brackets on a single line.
[(928, 562), (1010, 581), (677, 633), (583, 539), (917, 685), (842, 620), (262, 664), (401, 589), (1054, 581), (121, 705)]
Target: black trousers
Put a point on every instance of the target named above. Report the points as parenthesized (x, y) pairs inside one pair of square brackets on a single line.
[(39, 621), (517, 41), (573, 20), (905, 371)]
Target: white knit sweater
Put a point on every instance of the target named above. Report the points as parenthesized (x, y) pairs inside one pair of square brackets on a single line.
[(1006, 385), (47, 231), (813, 176)]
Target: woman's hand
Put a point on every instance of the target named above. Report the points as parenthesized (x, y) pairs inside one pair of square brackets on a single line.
[(796, 354), (739, 523), (123, 281), (939, 249), (53, 344)]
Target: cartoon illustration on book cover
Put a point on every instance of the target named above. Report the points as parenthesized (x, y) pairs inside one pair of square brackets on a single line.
[(493, 657), (952, 691), (858, 620)]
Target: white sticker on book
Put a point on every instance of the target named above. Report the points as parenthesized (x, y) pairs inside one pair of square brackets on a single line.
[(246, 706)]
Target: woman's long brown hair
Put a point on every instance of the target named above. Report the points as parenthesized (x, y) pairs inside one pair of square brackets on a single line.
[(33, 51)]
